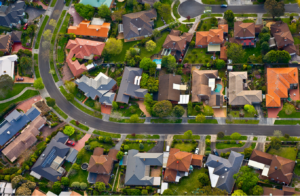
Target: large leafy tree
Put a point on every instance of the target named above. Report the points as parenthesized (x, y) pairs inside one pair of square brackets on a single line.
[(150, 45), (257, 190), (169, 62), (56, 188), (275, 143), (235, 136), (152, 85), (203, 178), (85, 11), (68, 130), (246, 178), (38, 84), (147, 63), (104, 11), (168, 192), (275, 8), (6, 84), (250, 109), (26, 62), (100, 186), (162, 108), (208, 111), (200, 118), (277, 56), (188, 134), (178, 111), (238, 192), (247, 152), (113, 46), (235, 52), (229, 16)]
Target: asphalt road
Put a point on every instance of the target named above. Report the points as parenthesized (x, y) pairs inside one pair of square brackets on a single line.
[(96, 123), (192, 8)]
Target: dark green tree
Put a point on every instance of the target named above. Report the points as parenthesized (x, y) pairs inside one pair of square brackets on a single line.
[(162, 108), (104, 11), (203, 178), (178, 111), (275, 8), (246, 178), (85, 11)]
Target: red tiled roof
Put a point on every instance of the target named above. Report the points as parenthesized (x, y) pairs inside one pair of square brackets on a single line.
[(179, 161)]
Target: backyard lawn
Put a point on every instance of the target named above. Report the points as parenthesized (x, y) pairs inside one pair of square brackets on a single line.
[(221, 145), (136, 146), (286, 152), (187, 147), (17, 88), (28, 94), (197, 55), (250, 51)]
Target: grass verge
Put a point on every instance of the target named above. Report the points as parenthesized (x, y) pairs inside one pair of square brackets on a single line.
[(287, 122), (58, 25), (102, 133), (211, 121), (36, 65), (140, 136), (194, 137), (191, 20), (53, 3), (162, 120), (81, 126), (125, 120), (227, 137), (242, 122), (175, 8), (60, 112), (245, 15), (38, 39)]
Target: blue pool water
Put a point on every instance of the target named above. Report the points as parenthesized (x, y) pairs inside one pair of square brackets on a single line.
[(218, 88), (157, 61)]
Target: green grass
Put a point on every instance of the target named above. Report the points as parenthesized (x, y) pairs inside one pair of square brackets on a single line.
[(126, 112), (77, 135), (65, 25), (242, 122), (253, 145), (235, 113), (286, 152), (248, 21), (28, 94), (245, 15), (116, 181), (187, 147), (191, 20), (162, 120), (254, 138), (78, 105), (221, 145), (197, 55), (267, 15), (227, 137), (282, 114), (105, 145), (82, 175), (102, 133), (215, 2), (285, 139), (91, 103), (140, 136), (68, 2), (296, 40), (211, 15), (290, 1), (124, 120), (187, 184), (55, 77), (81, 126), (136, 146), (183, 28), (210, 121), (194, 137), (36, 66), (291, 14), (60, 112), (38, 39), (17, 88), (252, 50), (287, 122), (58, 25), (67, 165), (175, 7), (53, 3), (158, 22)]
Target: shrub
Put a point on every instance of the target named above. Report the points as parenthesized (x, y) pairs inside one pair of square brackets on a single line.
[(221, 135), (235, 136)]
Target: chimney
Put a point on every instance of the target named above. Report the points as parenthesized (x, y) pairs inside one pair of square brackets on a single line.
[(275, 167)]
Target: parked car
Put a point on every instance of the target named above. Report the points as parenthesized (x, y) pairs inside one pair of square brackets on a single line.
[(20, 79), (70, 142), (25, 26), (224, 6), (197, 151), (216, 153)]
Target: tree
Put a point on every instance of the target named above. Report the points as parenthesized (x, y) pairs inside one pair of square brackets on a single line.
[(265, 46), (16, 180), (178, 111), (274, 8), (131, 3), (126, 147), (200, 118), (68, 130), (120, 155), (277, 133), (162, 108), (275, 143), (85, 11), (157, 5), (208, 111), (286, 136), (152, 85), (75, 185), (113, 46), (220, 135), (289, 109), (47, 35), (235, 136), (247, 152), (188, 134), (150, 45), (235, 52), (238, 192), (203, 179), (50, 102), (141, 146), (100, 186), (70, 97), (70, 86), (104, 11), (147, 63), (83, 185), (229, 16), (168, 192), (134, 118), (38, 84), (22, 190), (208, 190), (220, 64), (250, 109), (169, 62), (46, 44), (56, 187), (147, 6), (115, 105), (26, 62), (257, 190), (118, 14), (144, 192), (246, 178), (6, 84), (65, 181), (156, 33), (53, 23)]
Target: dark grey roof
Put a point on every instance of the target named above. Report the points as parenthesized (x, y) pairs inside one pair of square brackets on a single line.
[(4, 40), (136, 167), (138, 24), (98, 87), (92, 177), (225, 169), (60, 137), (54, 149), (12, 14), (16, 36), (72, 155), (14, 122), (128, 85)]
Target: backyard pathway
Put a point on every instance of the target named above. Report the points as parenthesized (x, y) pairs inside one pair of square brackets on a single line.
[(18, 95), (26, 105), (143, 108), (81, 143)]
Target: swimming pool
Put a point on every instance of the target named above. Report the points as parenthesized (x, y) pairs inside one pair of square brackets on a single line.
[(157, 61), (218, 88)]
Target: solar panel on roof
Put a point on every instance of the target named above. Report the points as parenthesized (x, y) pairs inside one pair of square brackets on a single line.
[(49, 158)]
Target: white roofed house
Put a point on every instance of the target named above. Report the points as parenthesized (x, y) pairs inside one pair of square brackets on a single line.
[(7, 65)]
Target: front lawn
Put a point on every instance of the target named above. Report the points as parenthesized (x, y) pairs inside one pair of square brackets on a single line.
[(126, 112), (242, 122), (227, 137), (102, 133), (183, 28), (162, 120), (287, 122), (253, 145), (209, 121), (139, 136), (91, 103), (221, 145), (187, 147), (81, 126), (104, 145), (218, 2), (197, 55), (136, 146), (286, 152), (17, 88), (236, 113), (282, 114), (194, 137), (28, 94)]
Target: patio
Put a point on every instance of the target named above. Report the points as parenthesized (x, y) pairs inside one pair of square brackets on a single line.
[(26, 105), (17, 46), (155, 171)]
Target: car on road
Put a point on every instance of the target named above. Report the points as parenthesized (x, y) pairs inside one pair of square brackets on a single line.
[(224, 6), (216, 153), (20, 79), (71, 143), (197, 151), (25, 26)]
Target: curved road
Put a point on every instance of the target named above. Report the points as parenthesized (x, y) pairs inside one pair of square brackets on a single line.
[(96, 123), (192, 8)]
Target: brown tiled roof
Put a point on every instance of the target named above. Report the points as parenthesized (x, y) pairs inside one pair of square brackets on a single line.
[(197, 160), (279, 26), (173, 151), (187, 36), (283, 38), (244, 29), (233, 40), (258, 28), (98, 151), (16, 36), (100, 164), (170, 175), (215, 36), (261, 157), (37, 193), (113, 154), (5, 42), (224, 27), (179, 161), (273, 192), (223, 53), (281, 169), (103, 178), (291, 49), (175, 32), (174, 42), (165, 90), (201, 38), (289, 191)]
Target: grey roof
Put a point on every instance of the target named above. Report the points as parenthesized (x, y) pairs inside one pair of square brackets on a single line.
[(60, 137), (128, 87), (225, 169), (98, 87), (136, 166), (138, 24), (92, 178), (14, 122), (16, 36), (12, 14), (54, 149), (72, 155)]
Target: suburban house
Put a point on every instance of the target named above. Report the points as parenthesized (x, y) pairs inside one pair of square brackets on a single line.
[(175, 44), (238, 93), (274, 167), (137, 26), (206, 87), (283, 37), (139, 167), (49, 164), (179, 164), (97, 3), (37, 192), (82, 49), (101, 166), (5, 43), (25, 140), (244, 34), (13, 14), (16, 36), (280, 83), (280, 192), (98, 88), (87, 28), (130, 85), (221, 170), (7, 65), (14, 122)]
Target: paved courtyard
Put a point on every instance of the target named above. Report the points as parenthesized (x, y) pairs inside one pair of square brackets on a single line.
[(17, 46), (26, 105), (76, 17)]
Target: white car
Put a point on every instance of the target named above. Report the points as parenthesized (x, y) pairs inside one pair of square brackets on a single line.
[(197, 151)]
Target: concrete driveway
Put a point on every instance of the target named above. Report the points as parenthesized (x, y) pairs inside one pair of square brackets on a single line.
[(34, 13), (158, 148)]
